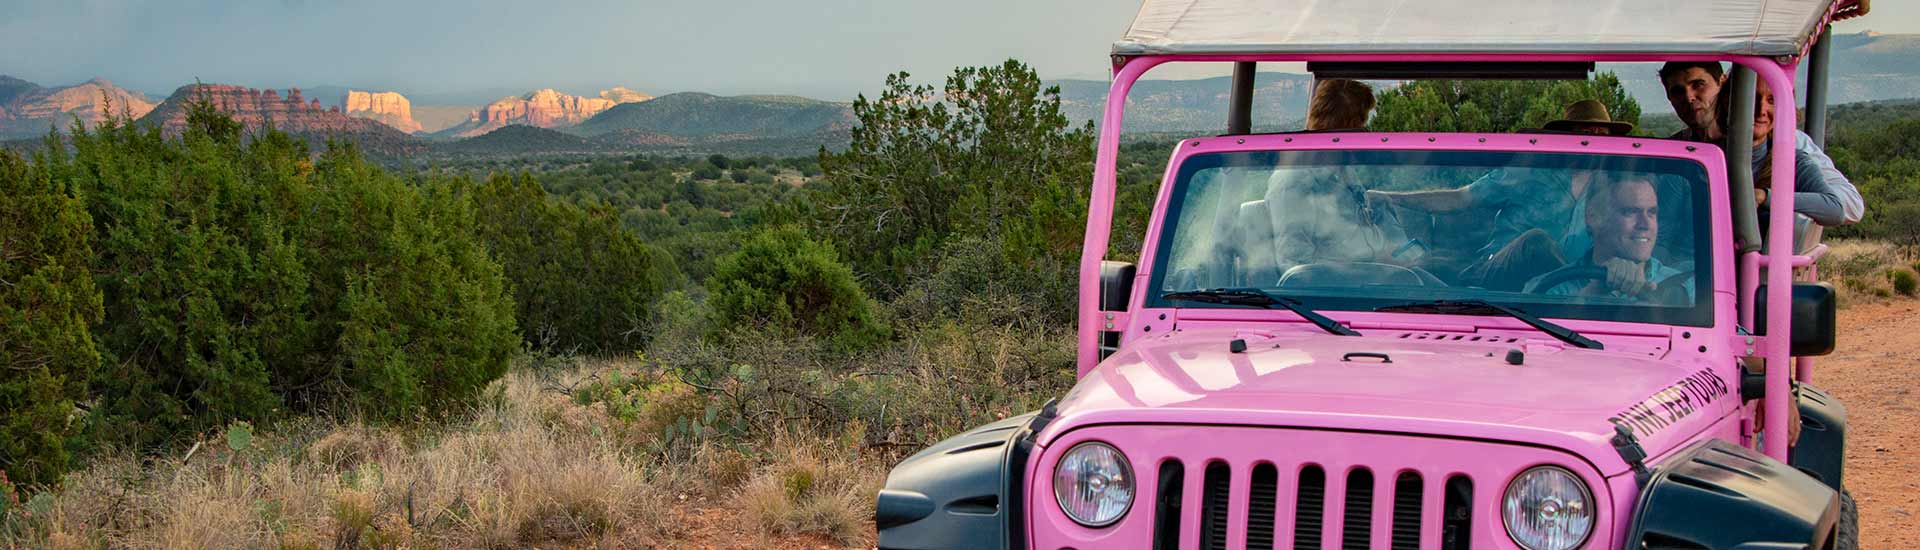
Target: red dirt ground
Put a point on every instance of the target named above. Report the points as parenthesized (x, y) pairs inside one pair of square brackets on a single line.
[(716, 525), (1874, 372)]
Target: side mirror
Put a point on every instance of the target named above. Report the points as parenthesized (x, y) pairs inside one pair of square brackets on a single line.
[(1814, 318), (1116, 289)]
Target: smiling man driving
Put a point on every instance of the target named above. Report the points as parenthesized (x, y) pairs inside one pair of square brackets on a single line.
[(1623, 216)]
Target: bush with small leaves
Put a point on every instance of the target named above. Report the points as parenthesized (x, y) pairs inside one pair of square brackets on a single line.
[(48, 306), (1905, 281), (580, 280), (786, 282), (242, 277)]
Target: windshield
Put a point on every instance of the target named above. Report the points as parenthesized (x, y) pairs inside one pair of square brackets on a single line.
[(1557, 235)]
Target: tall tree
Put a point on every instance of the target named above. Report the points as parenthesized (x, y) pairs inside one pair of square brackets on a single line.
[(1494, 105), (989, 155)]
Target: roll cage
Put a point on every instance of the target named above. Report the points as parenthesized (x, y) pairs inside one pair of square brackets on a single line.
[(1764, 45)]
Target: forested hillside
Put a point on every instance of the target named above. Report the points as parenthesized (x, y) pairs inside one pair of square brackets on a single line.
[(1877, 144)]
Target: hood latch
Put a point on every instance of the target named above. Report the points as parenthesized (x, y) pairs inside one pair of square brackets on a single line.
[(1630, 451)]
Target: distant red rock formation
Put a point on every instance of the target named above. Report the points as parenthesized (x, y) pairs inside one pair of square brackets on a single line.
[(389, 108), (293, 114), (544, 108), (257, 108), (31, 109)]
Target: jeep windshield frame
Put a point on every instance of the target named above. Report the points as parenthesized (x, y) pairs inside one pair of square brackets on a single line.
[(1778, 73)]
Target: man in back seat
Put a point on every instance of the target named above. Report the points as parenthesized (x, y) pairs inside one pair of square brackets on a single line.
[(1693, 88)]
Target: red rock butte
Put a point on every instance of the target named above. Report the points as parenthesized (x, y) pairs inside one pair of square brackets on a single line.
[(257, 108), (544, 108), (389, 108)]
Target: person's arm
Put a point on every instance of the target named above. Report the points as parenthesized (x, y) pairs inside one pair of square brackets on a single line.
[(1821, 192), (1444, 200), (1438, 200)]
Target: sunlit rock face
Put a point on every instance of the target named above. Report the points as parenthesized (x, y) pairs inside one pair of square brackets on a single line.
[(30, 109), (390, 108), (544, 108), (254, 108)]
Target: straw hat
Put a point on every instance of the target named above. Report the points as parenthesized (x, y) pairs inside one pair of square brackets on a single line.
[(1590, 112)]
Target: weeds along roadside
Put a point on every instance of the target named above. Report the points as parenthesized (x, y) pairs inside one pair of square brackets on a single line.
[(1867, 271), (792, 436)]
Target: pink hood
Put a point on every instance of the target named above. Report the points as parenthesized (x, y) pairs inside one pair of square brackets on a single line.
[(1559, 397)]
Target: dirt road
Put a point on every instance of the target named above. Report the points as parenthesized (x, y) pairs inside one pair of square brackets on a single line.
[(1874, 371)]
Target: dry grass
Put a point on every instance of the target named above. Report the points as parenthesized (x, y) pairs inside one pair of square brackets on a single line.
[(812, 491), (747, 443), (1868, 271), (531, 468)]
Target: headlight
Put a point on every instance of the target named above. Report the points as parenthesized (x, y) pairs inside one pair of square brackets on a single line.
[(1093, 484), (1548, 508)]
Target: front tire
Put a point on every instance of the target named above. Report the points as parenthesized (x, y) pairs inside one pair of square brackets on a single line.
[(1846, 533)]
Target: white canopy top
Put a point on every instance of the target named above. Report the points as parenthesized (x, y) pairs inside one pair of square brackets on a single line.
[(1731, 27)]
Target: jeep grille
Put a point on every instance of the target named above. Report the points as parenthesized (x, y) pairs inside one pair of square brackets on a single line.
[(1232, 487), (1310, 504)]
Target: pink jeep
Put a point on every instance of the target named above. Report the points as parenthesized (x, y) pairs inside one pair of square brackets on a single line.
[(1305, 359)]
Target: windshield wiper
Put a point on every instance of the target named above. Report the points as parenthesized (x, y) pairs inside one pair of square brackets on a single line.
[(1260, 298), (1482, 307)]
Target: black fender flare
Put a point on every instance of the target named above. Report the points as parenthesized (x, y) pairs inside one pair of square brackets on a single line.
[(1715, 494), (1822, 449), (964, 492)]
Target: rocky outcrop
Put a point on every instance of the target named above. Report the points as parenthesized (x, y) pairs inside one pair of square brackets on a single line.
[(390, 108), (29, 109), (293, 114), (545, 108)]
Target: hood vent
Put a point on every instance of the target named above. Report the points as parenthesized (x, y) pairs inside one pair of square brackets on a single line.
[(1458, 337)]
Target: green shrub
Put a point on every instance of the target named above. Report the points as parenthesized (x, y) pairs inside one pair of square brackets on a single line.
[(580, 279), (48, 305), (200, 268), (706, 172), (976, 280), (1905, 281), (420, 315), (784, 281), (241, 276)]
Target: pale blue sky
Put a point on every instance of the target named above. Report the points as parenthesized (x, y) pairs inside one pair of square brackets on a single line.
[(829, 49)]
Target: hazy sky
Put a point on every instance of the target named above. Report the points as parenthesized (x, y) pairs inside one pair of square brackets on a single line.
[(830, 49)]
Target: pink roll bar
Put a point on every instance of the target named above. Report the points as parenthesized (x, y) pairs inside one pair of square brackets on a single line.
[(1777, 75)]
